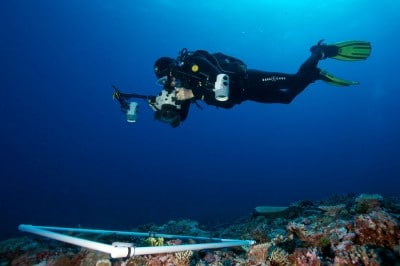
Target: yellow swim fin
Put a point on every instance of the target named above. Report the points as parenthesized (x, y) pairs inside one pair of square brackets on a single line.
[(351, 50), (345, 51), (332, 80)]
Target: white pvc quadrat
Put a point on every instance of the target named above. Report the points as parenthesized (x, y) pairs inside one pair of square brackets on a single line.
[(123, 250)]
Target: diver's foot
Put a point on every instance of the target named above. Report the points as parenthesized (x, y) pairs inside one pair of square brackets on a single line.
[(332, 80), (344, 51), (324, 50)]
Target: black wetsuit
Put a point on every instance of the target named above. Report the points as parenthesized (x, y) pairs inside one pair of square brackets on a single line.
[(198, 72), (272, 87)]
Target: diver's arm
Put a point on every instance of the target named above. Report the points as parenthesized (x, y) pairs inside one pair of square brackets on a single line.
[(123, 98), (183, 94), (126, 96), (205, 71)]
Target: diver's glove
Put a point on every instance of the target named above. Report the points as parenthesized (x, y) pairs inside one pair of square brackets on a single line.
[(116, 95), (119, 97), (183, 94)]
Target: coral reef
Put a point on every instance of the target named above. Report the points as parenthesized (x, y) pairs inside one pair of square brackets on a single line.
[(377, 228), (356, 255), (257, 254), (183, 258), (341, 230), (333, 210), (305, 257), (171, 259), (103, 262), (365, 203), (279, 257), (154, 242), (182, 227)]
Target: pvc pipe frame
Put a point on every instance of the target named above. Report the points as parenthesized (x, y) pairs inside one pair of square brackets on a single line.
[(126, 250)]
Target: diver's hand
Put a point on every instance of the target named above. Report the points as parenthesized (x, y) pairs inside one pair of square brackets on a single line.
[(183, 94), (116, 95)]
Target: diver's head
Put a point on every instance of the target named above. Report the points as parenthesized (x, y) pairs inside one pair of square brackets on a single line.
[(163, 66)]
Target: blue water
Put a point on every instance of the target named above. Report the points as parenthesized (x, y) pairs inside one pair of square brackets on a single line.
[(69, 158)]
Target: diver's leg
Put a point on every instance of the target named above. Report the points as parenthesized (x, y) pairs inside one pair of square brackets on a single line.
[(308, 68), (307, 74), (268, 87)]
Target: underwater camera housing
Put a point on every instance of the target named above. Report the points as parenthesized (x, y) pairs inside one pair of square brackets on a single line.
[(166, 108)]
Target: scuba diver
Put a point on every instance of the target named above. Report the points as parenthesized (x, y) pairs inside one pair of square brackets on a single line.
[(225, 81)]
